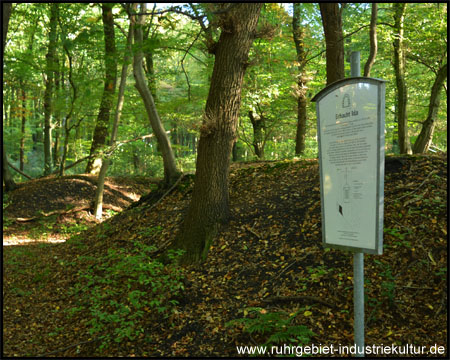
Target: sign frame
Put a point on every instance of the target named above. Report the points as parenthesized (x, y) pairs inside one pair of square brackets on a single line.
[(322, 114)]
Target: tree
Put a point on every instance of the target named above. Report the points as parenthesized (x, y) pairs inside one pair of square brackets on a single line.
[(7, 177), (101, 128), (98, 201), (332, 27), (259, 124), (49, 85), (373, 40), (210, 198), (425, 137), (171, 173), (299, 34), (399, 67)]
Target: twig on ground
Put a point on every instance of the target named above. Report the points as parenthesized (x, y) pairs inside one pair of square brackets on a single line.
[(298, 298), (412, 192), (167, 192), (252, 231)]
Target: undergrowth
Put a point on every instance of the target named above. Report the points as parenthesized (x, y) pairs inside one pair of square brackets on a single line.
[(125, 291), (272, 327)]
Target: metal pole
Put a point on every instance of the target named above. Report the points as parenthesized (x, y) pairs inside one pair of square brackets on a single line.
[(358, 258), (355, 64), (358, 302)]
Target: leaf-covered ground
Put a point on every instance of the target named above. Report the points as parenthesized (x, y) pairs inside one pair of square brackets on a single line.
[(269, 256)]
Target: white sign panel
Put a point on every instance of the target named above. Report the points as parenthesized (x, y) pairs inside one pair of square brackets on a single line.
[(351, 153)]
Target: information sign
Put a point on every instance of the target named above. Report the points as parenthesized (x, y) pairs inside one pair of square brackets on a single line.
[(350, 122)]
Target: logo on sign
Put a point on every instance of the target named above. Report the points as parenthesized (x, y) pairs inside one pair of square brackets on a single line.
[(346, 101)]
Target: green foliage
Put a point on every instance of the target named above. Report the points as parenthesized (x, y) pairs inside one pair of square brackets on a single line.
[(388, 283), (73, 228), (125, 290), (6, 221), (275, 327), (182, 70)]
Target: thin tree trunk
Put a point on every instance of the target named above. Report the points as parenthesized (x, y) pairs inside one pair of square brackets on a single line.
[(22, 129), (258, 124), (48, 106), (332, 27), (7, 176), (98, 201), (373, 40), (399, 66), (67, 119), (425, 137), (210, 198), (101, 128), (171, 173), (57, 117), (299, 35)]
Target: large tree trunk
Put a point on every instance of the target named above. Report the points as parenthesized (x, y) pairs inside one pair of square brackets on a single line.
[(399, 66), (373, 40), (210, 199), (98, 201), (334, 40), (48, 106), (425, 137), (101, 129), (171, 173), (299, 35)]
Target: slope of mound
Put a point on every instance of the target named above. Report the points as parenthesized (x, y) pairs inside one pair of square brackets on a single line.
[(269, 256), (65, 199)]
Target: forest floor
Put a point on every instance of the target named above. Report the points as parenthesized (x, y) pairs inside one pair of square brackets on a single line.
[(267, 266)]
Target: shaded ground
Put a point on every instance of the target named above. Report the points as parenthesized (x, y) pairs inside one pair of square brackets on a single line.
[(268, 256), (53, 203)]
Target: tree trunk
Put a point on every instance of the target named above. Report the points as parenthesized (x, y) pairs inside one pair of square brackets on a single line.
[(22, 129), (98, 201), (101, 128), (210, 199), (258, 124), (171, 173), (373, 40), (151, 80), (425, 137), (399, 66), (48, 106), (7, 176), (299, 35), (332, 27)]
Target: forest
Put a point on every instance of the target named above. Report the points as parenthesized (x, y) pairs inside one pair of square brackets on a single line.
[(160, 171)]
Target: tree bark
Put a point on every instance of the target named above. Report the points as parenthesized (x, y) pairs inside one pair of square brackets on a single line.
[(334, 40), (49, 84), (373, 40), (101, 128), (98, 201), (299, 35), (425, 137), (210, 198), (399, 67), (258, 124), (7, 176), (5, 19), (171, 173), (22, 129)]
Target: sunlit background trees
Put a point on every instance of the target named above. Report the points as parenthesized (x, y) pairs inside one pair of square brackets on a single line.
[(178, 67)]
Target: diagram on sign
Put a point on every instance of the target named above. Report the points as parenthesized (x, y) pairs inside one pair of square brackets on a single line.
[(344, 204)]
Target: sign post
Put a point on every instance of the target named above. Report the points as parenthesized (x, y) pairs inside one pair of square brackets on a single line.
[(350, 122)]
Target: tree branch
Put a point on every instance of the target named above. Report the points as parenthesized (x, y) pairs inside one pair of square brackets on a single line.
[(19, 171)]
